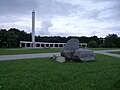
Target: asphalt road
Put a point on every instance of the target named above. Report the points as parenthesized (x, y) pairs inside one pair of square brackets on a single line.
[(107, 52), (25, 56)]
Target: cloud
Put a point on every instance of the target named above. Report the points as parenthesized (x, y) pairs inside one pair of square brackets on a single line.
[(17, 6), (44, 27), (62, 17), (44, 7)]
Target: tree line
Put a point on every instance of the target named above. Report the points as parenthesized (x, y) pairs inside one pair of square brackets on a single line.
[(11, 39)]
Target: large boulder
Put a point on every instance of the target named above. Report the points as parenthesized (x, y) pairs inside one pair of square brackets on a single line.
[(69, 48), (68, 54), (83, 55), (71, 51), (72, 44)]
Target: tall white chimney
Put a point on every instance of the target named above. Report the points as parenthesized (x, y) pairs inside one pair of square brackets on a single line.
[(33, 28)]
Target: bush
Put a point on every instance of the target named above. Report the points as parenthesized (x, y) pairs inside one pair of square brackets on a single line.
[(92, 44)]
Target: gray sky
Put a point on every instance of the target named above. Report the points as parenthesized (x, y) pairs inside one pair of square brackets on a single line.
[(63, 17)]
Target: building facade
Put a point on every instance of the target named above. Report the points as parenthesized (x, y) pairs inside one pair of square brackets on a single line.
[(27, 44)]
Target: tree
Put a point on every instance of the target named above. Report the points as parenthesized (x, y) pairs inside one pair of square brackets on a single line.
[(13, 36), (95, 38), (112, 40), (84, 39), (3, 37), (118, 43)]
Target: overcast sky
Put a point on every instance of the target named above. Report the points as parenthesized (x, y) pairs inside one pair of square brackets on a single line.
[(63, 17)]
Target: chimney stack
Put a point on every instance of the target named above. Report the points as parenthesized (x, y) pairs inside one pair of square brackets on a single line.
[(33, 28)]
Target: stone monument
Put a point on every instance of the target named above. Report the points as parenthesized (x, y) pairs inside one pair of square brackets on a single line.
[(71, 51)]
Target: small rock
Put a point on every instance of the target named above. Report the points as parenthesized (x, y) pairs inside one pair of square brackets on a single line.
[(54, 57), (60, 59)]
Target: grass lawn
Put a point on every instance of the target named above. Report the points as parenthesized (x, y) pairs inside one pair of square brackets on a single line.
[(118, 52), (104, 48), (13, 51), (46, 74)]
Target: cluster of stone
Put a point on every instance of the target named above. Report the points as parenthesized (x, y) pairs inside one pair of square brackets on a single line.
[(71, 51)]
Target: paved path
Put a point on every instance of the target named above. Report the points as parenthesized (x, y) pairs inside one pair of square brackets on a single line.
[(42, 55), (107, 52), (24, 56)]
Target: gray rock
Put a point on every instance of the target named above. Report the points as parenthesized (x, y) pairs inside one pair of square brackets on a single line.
[(72, 44), (68, 54), (54, 57), (60, 59), (83, 55), (69, 48), (71, 51)]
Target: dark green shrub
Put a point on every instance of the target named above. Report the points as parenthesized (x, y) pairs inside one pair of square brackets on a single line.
[(92, 44)]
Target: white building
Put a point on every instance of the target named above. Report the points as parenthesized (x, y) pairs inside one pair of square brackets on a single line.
[(27, 44)]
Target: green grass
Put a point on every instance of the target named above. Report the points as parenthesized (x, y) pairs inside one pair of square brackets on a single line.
[(104, 48), (46, 74), (13, 51), (117, 52)]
